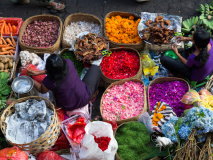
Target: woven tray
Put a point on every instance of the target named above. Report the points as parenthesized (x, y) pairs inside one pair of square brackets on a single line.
[(138, 46), (46, 140), (122, 82), (80, 17), (51, 49), (164, 79), (108, 81)]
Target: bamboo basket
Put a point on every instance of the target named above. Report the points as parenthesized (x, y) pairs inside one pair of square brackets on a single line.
[(51, 49), (108, 81), (165, 79), (80, 17), (209, 84), (117, 156), (46, 140), (119, 83), (138, 46)]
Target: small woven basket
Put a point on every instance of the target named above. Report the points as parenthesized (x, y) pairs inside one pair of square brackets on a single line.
[(162, 80), (51, 49), (119, 83), (46, 140), (138, 46), (80, 17), (108, 81)]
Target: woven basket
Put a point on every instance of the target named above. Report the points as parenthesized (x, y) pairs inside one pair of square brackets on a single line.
[(209, 84), (165, 79), (119, 83), (51, 49), (108, 81), (80, 17), (138, 46), (46, 140)]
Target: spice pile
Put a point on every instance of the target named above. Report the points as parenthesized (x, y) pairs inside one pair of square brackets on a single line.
[(134, 142), (120, 65), (89, 47), (122, 30), (123, 101), (41, 33), (78, 64), (170, 93), (71, 31)]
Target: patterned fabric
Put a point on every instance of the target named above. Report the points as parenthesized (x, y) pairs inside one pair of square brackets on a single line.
[(161, 112)]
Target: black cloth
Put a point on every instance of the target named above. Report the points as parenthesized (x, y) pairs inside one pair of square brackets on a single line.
[(176, 66), (92, 78)]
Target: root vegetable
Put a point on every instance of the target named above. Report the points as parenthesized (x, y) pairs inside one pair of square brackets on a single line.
[(10, 63), (1, 66), (4, 60), (6, 71), (6, 66)]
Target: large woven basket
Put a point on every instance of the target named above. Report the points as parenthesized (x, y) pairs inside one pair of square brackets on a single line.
[(119, 83), (108, 81), (138, 46), (80, 17), (162, 80), (46, 140), (51, 49)]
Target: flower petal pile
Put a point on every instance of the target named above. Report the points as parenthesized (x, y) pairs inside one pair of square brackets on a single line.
[(123, 101), (120, 65), (170, 93)]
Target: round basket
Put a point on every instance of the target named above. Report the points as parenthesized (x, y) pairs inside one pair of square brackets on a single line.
[(51, 49), (80, 17), (138, 46), (108, 81), (165, 79), (119, 83), (46, 140)]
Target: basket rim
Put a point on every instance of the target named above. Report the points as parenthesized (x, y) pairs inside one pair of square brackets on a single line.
[(118, 49), (119, 83), (21, 100), (37, 17), (115, 43)]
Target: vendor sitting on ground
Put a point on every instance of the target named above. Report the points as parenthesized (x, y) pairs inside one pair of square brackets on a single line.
[(196, 63), (62, 79), (50, 4)]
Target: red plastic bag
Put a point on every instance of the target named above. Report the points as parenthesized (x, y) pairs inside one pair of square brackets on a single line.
[(13, 153), (49, 155), (39, 78)]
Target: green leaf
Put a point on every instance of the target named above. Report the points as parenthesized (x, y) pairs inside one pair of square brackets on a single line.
[(123, 107), (186, 112), (202, 8), (6, 91), (198, 10), (202, 114)]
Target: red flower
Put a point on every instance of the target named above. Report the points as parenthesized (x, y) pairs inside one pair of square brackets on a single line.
[(120, 65), (76, 131), (103, 142)]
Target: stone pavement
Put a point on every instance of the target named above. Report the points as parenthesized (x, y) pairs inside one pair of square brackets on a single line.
[(184, 8)]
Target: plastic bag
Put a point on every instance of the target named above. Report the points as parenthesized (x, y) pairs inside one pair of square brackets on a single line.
[(13, 153), (90, 149), (147, 121), (39, 78), (49, 155), (190, 97), (148, 64)]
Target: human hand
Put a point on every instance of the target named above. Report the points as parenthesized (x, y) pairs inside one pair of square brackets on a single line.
[(180, 38), (31, 72), (174, 48)]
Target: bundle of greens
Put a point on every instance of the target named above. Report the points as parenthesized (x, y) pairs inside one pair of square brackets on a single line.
[(78, 64), (134, 143), (4, 89)]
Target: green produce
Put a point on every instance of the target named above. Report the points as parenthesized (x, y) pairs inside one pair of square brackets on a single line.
[(78, 64), (4, 89), (134, 143), (189, 24)]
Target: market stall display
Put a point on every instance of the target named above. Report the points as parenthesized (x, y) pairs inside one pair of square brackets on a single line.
[(134, 142), (169, 90), (10, 25), (78, 23), (89, 47), (41, 33), (118, 30), (123, 101), (66, 54), (122, 63), (46, 140)]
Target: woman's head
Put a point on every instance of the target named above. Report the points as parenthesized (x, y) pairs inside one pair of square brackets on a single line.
[(56, 67), (201, 38)]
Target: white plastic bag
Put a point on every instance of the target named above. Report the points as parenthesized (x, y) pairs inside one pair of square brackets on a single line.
[(90, 149)]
